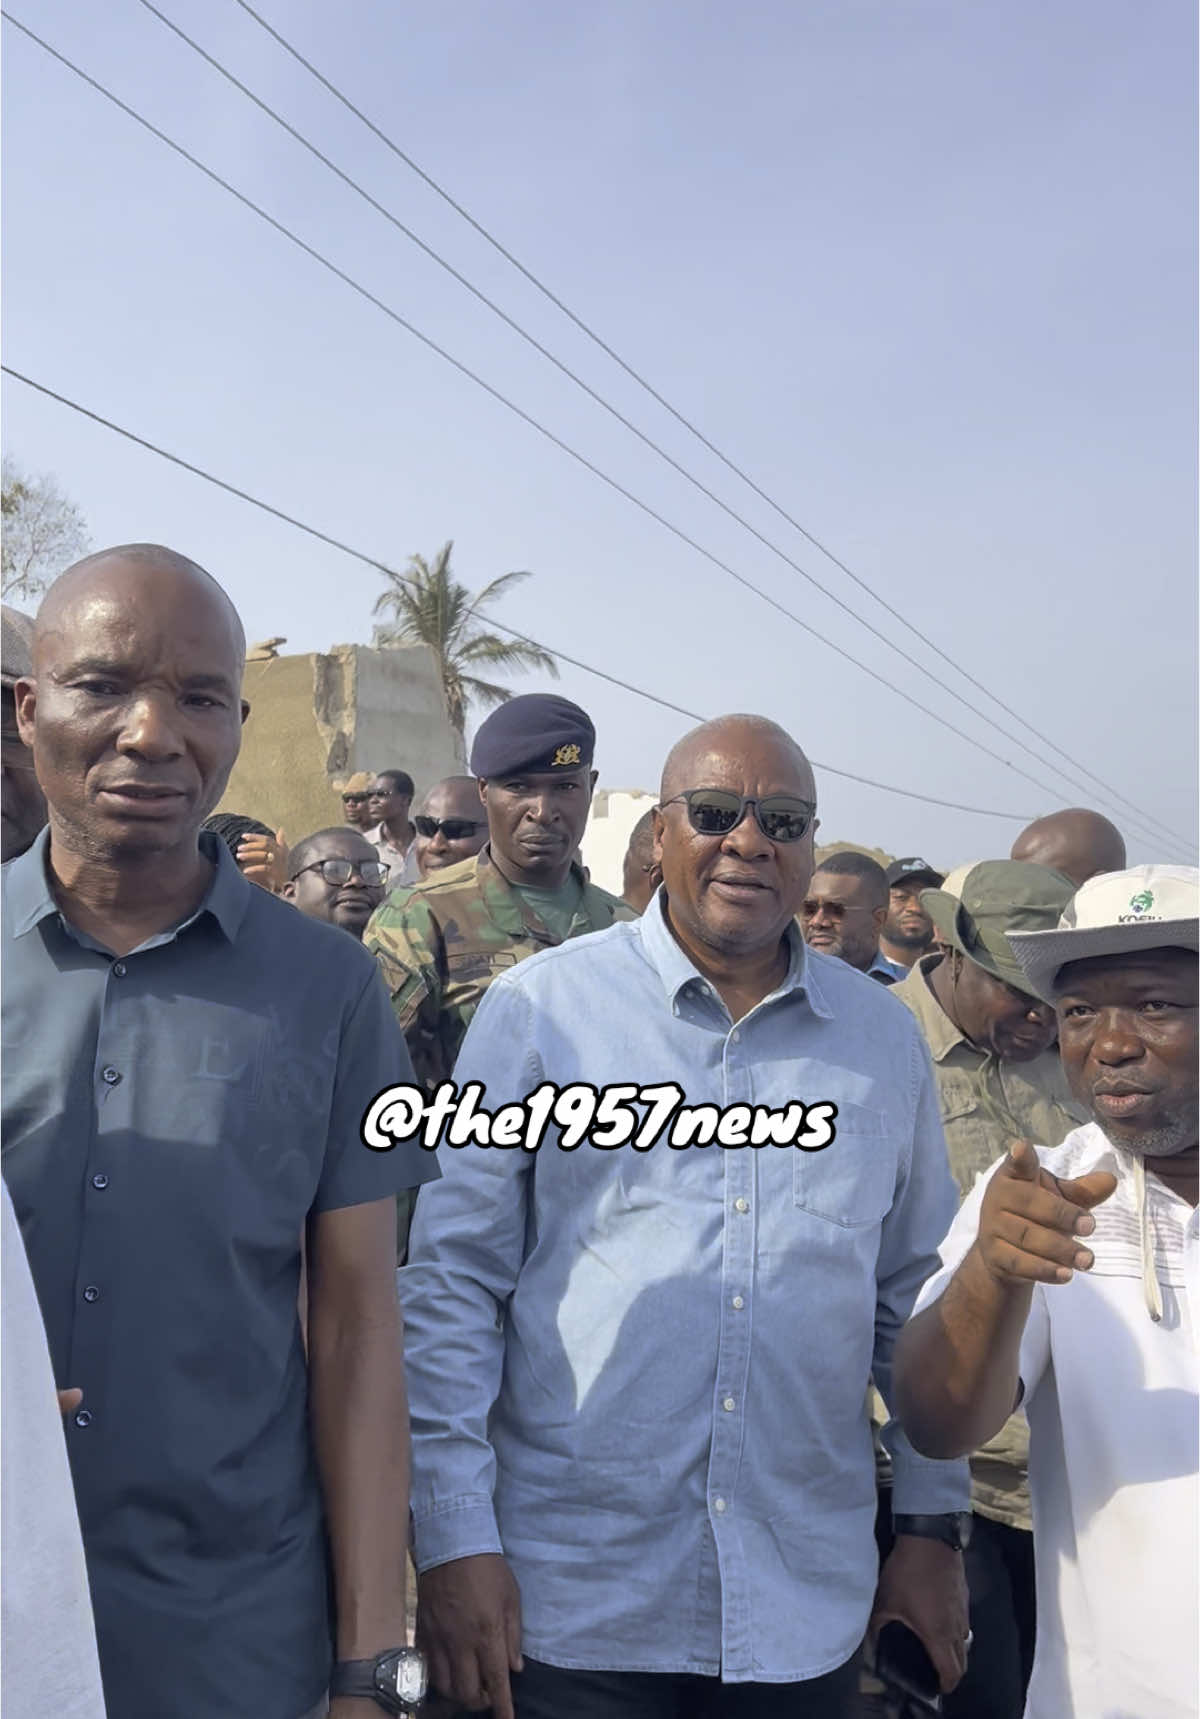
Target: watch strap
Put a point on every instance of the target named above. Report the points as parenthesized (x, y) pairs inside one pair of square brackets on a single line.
[(952, 1528), (380, 1680)]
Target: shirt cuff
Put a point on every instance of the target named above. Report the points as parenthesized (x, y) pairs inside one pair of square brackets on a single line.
[(460, 1528), (922, 1487)]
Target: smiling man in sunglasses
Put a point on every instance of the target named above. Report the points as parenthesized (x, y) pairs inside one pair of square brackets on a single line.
[(451, 825), (646, 1484)]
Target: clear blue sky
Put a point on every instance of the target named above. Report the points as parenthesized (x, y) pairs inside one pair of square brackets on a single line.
[(928, 271)]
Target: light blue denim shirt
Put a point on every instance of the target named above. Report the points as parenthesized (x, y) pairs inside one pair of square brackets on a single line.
[(642, 1375)]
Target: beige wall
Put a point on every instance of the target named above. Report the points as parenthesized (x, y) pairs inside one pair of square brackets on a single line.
[(315, 719), (614, 813)]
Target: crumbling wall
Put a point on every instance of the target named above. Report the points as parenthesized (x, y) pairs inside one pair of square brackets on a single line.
[(316, 719)]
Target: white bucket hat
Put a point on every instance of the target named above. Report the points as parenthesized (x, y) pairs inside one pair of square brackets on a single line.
[(1147, 907)]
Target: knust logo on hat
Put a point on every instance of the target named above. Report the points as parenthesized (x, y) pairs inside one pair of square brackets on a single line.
[(1115, 913)]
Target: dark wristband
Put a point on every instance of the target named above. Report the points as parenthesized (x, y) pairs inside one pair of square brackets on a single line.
[(953, 1528), (394, 1681)]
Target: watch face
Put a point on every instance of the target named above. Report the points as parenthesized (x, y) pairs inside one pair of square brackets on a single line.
[(404, 1674)]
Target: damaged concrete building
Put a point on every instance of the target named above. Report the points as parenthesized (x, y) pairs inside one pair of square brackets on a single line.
[(316, 719)]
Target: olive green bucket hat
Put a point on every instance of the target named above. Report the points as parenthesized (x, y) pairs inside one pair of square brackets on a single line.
[(999, 896)]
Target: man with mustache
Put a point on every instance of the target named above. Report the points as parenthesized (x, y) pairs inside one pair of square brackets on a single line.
[(1069, 1285), (844, 913), (908, 930), (442, 943), (998, 1076), (645, 1484)]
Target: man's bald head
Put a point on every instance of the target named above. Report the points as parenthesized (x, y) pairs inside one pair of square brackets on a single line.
[(727, 736), (731, 896), (123, 569), (134, 707), (1079, 843)]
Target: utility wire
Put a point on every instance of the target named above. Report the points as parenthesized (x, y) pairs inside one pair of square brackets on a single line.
[(518, 411), (391, 573), (636, 376), (605, 405)]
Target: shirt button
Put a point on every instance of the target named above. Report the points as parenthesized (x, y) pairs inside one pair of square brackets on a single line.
[(110, 1075), (735, 1035), (119, 969), (740, 1205), (100, 1181), (83, 1418), (91, 1293), (739, 1302), (729, 1405), (718, 1503)]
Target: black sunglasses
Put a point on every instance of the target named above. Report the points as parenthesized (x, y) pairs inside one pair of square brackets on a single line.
[(340, 871), (454, 829), (716, 811)]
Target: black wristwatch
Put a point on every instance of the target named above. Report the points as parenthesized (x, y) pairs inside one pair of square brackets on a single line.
[(394, 1680), (953, 1529)]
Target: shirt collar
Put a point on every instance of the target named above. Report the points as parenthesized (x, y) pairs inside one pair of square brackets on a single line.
[(940, 1032), (882, 964), (30, 899), (503, 899), (676, 970)]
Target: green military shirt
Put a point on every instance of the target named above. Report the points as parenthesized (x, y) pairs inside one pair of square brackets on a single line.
[(987, 1103), (441, 943)]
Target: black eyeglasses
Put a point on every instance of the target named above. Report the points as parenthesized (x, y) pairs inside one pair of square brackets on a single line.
[(716, 811), (372, 872), (454, 829)]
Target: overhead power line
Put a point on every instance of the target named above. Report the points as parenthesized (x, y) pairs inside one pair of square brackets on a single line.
[(564, 369), (680, 418), (518, 411), (379, 566)]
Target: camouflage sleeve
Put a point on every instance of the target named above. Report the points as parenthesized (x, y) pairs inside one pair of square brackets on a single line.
[(404, 938)]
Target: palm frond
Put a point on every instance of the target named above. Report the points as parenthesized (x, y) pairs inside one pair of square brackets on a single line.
[(495, 652), (427, 605), (486, 692)]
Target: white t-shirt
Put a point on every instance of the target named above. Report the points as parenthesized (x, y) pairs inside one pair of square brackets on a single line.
[(1112, 1399), (48, 1662)]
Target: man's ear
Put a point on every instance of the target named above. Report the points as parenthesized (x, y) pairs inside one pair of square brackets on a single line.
[(245, 710), (593, 778), (657, 827), (879, 916), (25, 706), (288, 892)]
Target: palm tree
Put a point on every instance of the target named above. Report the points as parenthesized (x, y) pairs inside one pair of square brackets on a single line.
[(429, 607)]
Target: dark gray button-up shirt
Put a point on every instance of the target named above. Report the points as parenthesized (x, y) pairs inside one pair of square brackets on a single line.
[(170, 1120)]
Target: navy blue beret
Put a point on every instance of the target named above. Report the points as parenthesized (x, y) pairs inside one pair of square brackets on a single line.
[(536, 732)]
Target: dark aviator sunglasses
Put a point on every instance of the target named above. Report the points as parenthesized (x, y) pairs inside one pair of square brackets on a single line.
[(454, 829), (716, 811)]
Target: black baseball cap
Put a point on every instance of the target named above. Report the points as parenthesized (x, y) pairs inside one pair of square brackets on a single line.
[(914, 866)]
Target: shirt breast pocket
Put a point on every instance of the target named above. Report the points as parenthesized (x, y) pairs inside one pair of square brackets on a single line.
[(852, 1181)]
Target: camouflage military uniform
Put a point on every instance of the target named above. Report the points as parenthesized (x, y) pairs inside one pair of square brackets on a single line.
[(441, 944), (986, 1104)]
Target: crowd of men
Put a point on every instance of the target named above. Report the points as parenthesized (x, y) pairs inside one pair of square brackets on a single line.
[(670, 1427)]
